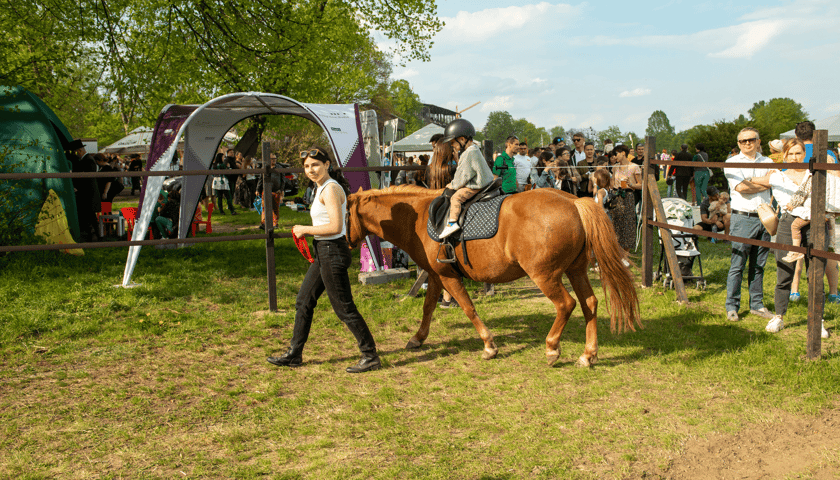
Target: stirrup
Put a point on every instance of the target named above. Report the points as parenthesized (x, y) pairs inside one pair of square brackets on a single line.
[(449, 253)]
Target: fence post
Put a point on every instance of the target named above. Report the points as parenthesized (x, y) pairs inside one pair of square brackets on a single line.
[(268, 213), (647, 213), (816, 292)]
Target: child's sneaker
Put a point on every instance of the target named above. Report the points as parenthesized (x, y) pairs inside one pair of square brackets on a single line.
[(451, 228), (833, 298), (794, 296)]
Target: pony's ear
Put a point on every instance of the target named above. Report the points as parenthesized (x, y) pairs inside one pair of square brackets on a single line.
[(359, 190)]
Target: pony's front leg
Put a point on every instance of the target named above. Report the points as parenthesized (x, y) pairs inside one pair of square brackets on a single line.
[(456, 288), (429, 305)]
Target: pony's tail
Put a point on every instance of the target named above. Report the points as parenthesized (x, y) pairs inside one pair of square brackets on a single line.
[(616, 278)]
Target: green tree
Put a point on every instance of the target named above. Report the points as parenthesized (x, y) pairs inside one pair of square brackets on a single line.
[(406, 105), (612, 133), (143, 54), (558, 131), (499, 126), (718, 139), (660, 127), (776, 116)]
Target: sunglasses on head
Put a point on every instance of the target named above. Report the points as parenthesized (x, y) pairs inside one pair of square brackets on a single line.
[(311, 153)]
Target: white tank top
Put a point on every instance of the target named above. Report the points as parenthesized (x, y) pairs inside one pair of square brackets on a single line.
[(320, 216)]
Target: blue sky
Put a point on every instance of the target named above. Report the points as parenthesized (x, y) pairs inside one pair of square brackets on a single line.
[(613, 63)]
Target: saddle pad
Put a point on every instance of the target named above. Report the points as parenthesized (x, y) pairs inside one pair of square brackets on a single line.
[(482, 221)]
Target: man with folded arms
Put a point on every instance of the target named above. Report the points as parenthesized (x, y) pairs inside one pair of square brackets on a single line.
[(745, 223)]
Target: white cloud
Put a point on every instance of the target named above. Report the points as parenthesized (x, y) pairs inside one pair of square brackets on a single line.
[(405, 74), (639, 92), (475, 27), (497, 103), (753, 37), (834, 108)]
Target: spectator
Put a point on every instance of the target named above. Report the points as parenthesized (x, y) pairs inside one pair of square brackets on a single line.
[(701, 174), (601, 180), (786, 185), (221, 185), (88, 198), (167, 219), (250, 183), (505, 167), (136, 165), (714, 215), (522, 163), (746, 197), (278, 187), (109, 187), (628, 178), (683, 174)]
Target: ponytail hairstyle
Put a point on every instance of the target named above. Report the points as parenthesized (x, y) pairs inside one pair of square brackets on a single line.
[(335, 171)]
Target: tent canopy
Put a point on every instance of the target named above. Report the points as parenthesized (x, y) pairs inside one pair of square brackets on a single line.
[(35, 139), (832, 124), (202, 127), (419, 140), (138, 141)]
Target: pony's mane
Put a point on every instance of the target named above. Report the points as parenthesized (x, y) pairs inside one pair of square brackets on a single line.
[(408, 189)]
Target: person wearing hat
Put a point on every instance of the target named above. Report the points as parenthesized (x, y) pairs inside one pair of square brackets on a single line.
[(472, 173), (88, 200)]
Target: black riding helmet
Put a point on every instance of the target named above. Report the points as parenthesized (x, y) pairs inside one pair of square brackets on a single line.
[(458, 128)]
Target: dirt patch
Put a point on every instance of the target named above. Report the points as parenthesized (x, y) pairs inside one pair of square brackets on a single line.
[(788, 446)]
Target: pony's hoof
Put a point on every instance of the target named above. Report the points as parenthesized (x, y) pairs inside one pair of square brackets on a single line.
[(489, 353), (552, 357), (584, 362), (414, 344)]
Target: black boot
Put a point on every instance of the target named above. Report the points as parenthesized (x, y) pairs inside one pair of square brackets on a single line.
[(369, 362), (292, 358)]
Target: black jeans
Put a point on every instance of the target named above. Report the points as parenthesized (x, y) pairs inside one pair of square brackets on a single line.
[(682, 187), (329, 272), (785, 270)]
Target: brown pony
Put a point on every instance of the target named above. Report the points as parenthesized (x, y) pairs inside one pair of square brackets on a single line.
[(543, 233)]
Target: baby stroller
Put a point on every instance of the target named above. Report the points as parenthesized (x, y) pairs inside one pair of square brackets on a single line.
[(679, 212)]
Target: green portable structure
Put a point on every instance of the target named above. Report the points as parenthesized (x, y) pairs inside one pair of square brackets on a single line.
[(31, 141)]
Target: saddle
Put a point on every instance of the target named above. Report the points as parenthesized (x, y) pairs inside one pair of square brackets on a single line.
[(439, 215)]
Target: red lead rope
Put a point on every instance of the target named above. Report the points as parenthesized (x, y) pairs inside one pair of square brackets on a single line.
[(303, 247)]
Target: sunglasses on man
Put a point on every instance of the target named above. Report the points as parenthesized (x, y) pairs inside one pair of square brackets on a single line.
[(747, 141)]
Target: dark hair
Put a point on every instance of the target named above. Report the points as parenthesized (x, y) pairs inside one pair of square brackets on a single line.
[(805, 130), (435, 138), (684, 147), (700, 146), (510, 139), (523, 143), (712, 191), (440, 172), (543, 158), (560, 151), (602, 160), (335, 172), (621, 148), (588, 144)]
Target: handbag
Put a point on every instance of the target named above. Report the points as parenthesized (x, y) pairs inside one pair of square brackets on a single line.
[(611, 198), (670, 180), (220, 183), (768, 217)]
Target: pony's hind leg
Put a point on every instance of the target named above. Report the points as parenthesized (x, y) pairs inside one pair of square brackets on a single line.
[(589, 304), (553, 288), (429, 305), (456, 288)]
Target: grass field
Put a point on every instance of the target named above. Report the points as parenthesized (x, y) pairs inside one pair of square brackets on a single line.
[(169, 379)]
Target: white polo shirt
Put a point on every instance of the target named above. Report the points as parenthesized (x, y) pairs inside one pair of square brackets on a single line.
[(746, 202), (523, 169)]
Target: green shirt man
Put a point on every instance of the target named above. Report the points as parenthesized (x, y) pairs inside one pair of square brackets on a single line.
[(504, 167)]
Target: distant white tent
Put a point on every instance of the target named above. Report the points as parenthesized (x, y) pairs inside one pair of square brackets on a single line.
[(137, 141), (419, 140), (832, 124)]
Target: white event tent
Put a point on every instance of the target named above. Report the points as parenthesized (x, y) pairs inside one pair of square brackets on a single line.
[(202, 128), (832, 124)]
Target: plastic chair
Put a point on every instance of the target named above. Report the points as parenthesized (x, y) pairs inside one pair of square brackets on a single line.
[(208, 227), (107, 220), (130, 216)]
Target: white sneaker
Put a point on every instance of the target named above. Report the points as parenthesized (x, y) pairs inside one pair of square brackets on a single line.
[(775, 324), (824, 333), (449, 230)]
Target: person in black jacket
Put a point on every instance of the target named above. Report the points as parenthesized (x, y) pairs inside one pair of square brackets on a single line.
[(683, 174)]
